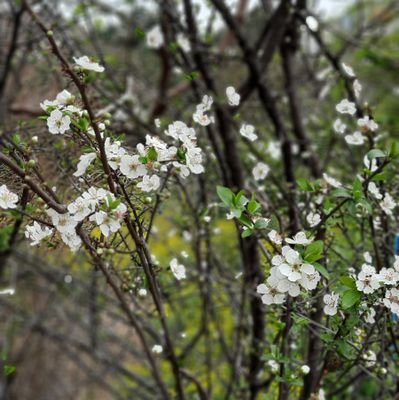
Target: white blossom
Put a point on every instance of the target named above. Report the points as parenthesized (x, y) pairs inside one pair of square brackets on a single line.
[(84, 62), (270, 294), (331, 303), (8, 199), (339, 126), (248, 131), (131, 167), (155, 37), (183, 42), (63, 98), (305, 369), (369, 316), (332, 181), (367, 257), (80, 209), (313, 219), (106, 222), (355, 139), (274, 365), (202, 119), (58, 123), (232, 96), (346, 107), (299, 238), (274, 150), (367, 279), (275, 237), (348, 70), (389, 276), (391, 300), (357, 88), (63, 222), (157, 349), (310, 281), (370, 357), (260, 171), (178, 270), (71, 239), (373, 189), (36, 233), (388, 204), (84, 161), (367, 124), (114, 151)]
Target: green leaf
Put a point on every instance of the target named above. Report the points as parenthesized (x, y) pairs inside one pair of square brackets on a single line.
[(357, 189), (9, 369), (191, 76), (246, 221), (246, 233), (366, 205), (253, 206), (394, 151), (237, 212), (262, 223), (305, 185), (239, 200), (83, 124), (375, 153), (152, 154), (139, 32), (341, 192), (225, 194), (314, 251), (350, 298), (348, 281), (322, 269)]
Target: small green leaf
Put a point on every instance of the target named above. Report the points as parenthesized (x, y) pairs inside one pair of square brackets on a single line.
[(139, 32), (322, 269), (350, 297), (394, 151), (226, 195), (253, 206), (305, 185), (152, 154), (83, 124), (366, 205), (9, 369), (341, 192), (314, 251), (357, 189), (262, 223), (246, 221), (375, 153), (348, 281), (246, 233)]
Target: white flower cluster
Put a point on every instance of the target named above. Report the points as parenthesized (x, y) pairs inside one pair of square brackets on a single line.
[(369, 281), (95, 205), (289, 273), (364, 125), (152, 157)]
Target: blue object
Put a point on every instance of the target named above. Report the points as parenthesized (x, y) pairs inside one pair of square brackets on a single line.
[(396, 245)]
